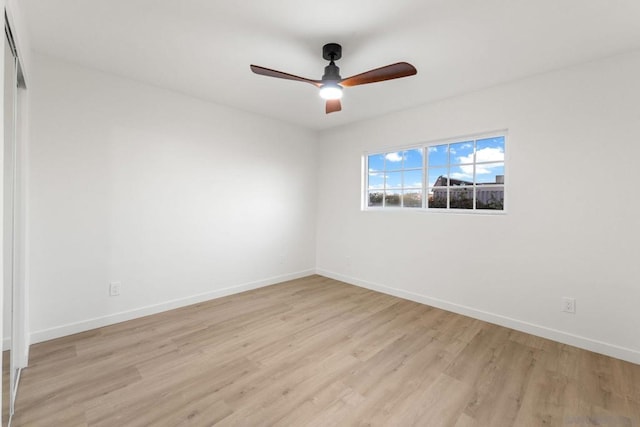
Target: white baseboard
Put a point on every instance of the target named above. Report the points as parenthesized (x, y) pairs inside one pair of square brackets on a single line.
[(98, 322), (608, 349)]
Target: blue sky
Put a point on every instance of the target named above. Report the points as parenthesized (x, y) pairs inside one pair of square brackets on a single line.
[(455, 160)]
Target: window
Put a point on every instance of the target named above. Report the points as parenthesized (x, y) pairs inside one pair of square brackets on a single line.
[(465, 174), (395, 179)]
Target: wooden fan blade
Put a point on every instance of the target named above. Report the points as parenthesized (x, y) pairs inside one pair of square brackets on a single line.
[(389, 72), (280, 75), (333, 105)]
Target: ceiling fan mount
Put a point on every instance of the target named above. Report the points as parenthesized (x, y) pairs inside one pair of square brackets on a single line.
[(332, 51), (331, 84)]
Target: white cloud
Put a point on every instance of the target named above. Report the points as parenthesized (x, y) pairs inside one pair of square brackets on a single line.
[(464, 176), (393, 157), (467, 170), (489, 154), (485, 169)]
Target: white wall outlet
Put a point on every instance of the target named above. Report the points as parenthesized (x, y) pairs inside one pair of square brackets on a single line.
[(114, 289), (569, 305)]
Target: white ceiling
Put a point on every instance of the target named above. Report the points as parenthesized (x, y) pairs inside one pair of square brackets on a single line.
[(204, 47)]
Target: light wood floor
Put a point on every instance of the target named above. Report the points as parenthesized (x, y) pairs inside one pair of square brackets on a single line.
[(316, 352)]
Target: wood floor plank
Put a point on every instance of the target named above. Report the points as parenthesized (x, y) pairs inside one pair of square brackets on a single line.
[(318, 352)]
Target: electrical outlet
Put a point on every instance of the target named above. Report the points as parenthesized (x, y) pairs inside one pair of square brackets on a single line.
[(569, 305), (114, 289)]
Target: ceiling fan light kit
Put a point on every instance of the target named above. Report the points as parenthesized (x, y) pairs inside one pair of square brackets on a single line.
[(331, 90), (332, 84)]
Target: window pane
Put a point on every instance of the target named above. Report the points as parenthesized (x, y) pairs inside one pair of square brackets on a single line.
[(490, 173), (376, 180), (376, 162), (438, 155), (438, 197), (412, 199), (392, 198), (393, 161), (462, 175), (413, 179), (461, 198), (375, 198), (413, 159), (461, 152), (490, 149), (437, 177), (490, 197), (394, 179)]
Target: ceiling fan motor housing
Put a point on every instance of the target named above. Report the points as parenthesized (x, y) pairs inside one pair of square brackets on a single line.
[(331, 73)]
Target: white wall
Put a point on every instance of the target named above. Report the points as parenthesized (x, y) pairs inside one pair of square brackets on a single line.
[(572, 225), (178, 199)]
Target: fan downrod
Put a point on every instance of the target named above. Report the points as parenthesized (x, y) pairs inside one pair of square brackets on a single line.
[(332, 51)]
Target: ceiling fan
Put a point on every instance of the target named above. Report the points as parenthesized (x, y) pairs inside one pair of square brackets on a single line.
[(332, 84)]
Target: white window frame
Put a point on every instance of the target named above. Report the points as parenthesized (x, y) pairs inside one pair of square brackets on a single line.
[(425, 177)]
